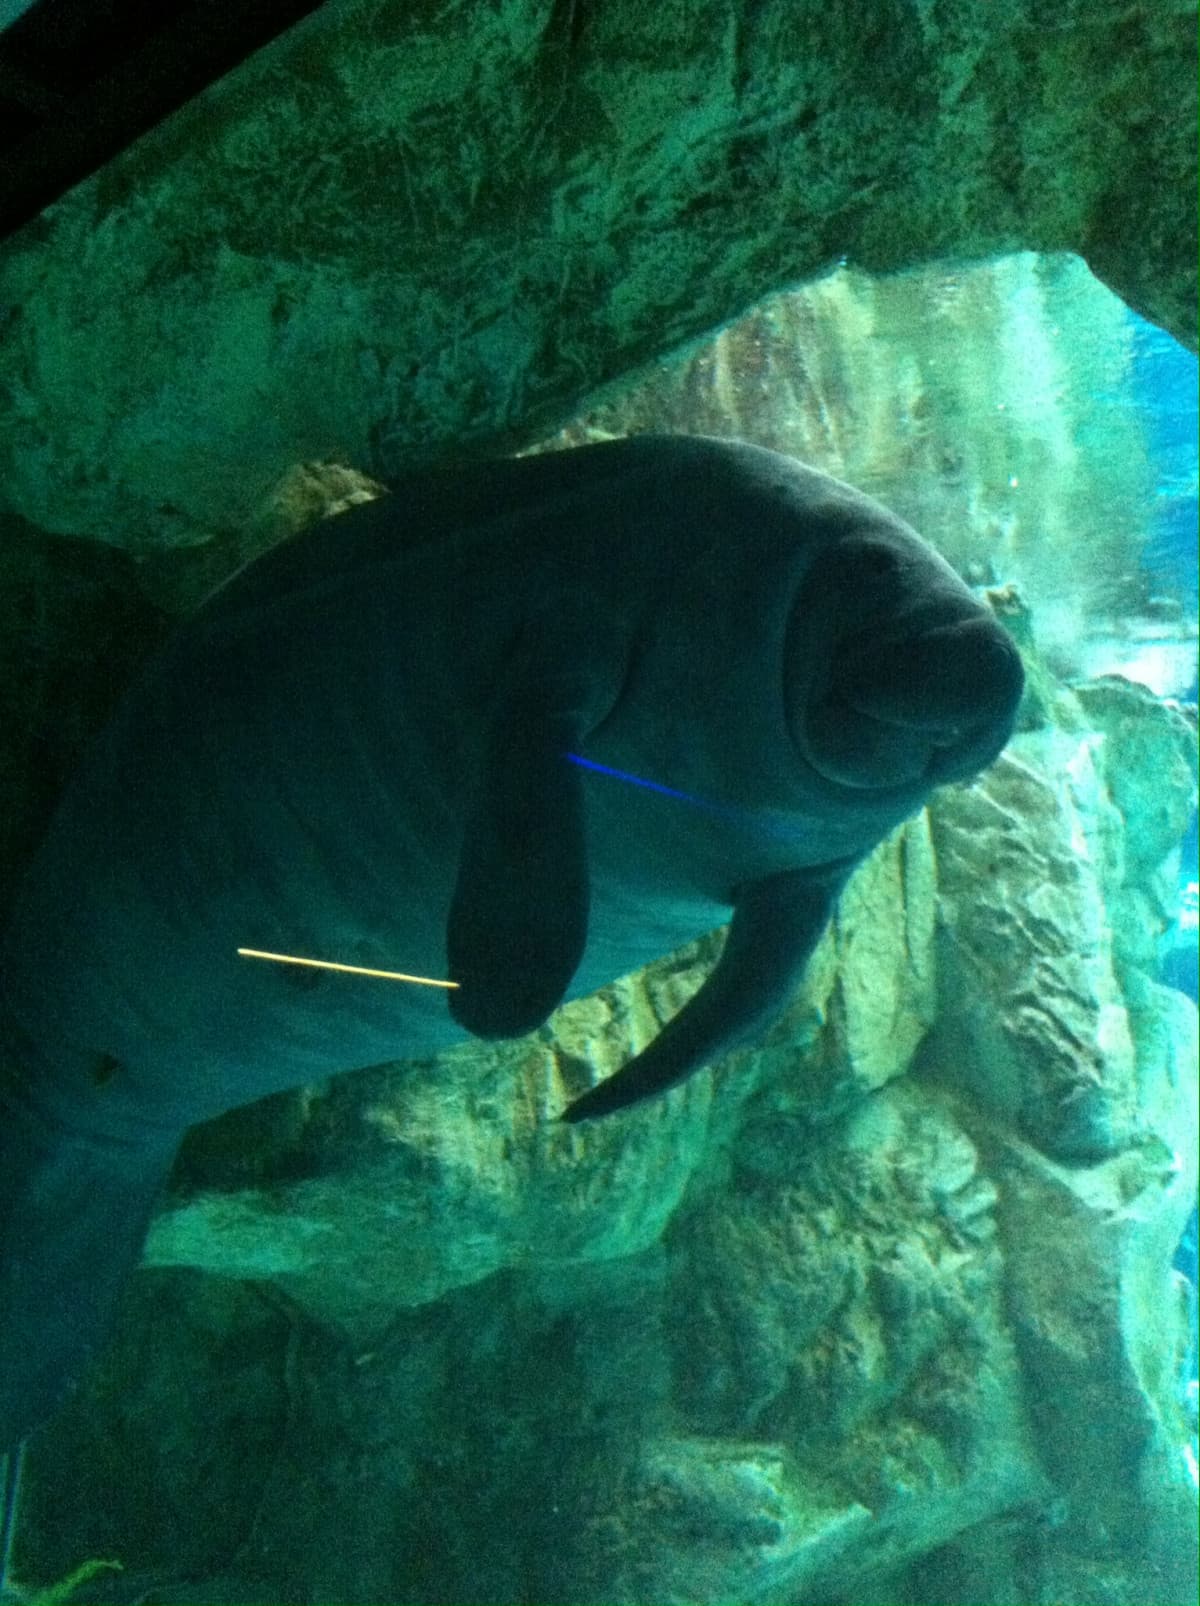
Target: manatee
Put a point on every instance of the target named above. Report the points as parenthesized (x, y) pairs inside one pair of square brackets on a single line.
[(521, 725)]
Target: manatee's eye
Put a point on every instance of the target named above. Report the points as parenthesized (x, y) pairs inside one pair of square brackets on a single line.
[(870, 575), (876, 562), (105, 1068)]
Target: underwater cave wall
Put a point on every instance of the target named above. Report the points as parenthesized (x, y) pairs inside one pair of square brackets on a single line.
[(407, 229)]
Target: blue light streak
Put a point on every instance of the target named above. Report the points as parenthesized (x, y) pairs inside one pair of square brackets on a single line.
[(748, 819), (638, 780)]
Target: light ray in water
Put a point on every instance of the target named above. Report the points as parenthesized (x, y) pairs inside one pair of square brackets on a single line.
[(353, 970)]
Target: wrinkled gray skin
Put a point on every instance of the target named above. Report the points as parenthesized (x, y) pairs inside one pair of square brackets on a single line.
[(356, 750)]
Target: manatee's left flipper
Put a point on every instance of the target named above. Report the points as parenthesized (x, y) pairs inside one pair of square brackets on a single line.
[(518, 919), (777, 922)]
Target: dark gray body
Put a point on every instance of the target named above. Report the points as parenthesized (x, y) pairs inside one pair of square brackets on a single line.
[(357, 751)]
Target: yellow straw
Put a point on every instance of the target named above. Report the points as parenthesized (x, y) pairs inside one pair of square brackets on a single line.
[(353, 970)]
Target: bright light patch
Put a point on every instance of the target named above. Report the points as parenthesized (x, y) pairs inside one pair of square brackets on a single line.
[(1189, 907), (353, 970)]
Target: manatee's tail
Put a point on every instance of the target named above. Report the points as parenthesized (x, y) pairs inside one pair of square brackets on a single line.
[(73, 1217)]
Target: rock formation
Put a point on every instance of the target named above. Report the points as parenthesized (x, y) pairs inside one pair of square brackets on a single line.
[(418, 229)]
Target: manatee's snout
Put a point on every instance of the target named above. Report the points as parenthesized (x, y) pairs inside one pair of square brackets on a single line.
[(935, 705), (947, 679)]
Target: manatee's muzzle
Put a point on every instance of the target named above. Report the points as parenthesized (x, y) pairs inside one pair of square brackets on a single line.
[(928, 708)]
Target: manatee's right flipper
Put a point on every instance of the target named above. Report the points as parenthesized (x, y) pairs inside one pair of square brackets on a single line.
[(73, 1218), (777, 922), (518, 919)]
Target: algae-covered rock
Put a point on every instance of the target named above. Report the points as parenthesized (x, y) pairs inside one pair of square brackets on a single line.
[(1035, 1023), (413, 228), (848, 1327)]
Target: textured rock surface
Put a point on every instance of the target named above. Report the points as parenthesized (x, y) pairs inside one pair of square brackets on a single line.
[(405, 228), (1058, 869)]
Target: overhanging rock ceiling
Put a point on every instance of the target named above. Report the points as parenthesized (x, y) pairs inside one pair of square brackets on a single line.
[(81, 79)]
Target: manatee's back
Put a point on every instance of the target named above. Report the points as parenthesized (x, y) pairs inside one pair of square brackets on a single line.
[(282, 776), (288, 775), (291, 774), (285, 779)]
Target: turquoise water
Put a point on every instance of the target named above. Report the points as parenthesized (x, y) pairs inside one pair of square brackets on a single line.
[(1165, 385), (1166, 391)]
